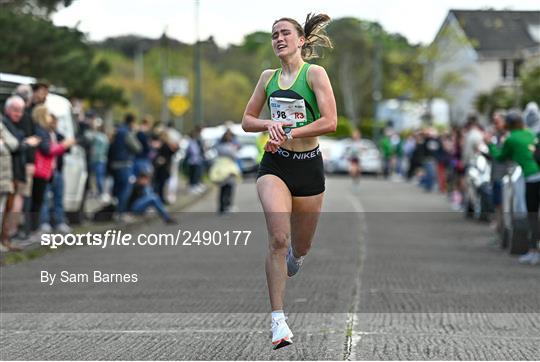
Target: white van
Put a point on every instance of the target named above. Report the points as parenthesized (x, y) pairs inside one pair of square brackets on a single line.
[(74, 169)]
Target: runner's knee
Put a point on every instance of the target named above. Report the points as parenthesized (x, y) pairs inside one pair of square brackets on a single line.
[(279, 242)]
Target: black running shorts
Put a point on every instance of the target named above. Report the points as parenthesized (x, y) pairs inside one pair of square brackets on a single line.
[(302, 172)]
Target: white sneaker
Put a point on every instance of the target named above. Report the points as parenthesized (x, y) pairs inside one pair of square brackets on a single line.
[(201, 188), (535, 259), (281, 334), (527, 258), (105, 198), (45, 228), (63, 228), (125, 218)]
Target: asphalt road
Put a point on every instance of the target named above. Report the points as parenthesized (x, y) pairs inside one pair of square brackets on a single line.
[(393, 274)]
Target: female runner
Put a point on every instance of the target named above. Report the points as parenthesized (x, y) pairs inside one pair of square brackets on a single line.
[(290, 181)]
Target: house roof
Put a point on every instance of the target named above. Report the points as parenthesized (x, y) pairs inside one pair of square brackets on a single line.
[(500, 32)]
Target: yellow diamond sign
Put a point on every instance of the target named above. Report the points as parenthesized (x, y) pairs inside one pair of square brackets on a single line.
[(179, 105)]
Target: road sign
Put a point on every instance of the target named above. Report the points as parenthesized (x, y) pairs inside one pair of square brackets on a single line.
[(175, 86), (179, 105)]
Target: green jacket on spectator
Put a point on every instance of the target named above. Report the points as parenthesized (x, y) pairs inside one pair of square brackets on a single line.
[(518, 147)]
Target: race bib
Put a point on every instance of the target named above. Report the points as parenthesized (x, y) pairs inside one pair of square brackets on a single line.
[(288, 110)]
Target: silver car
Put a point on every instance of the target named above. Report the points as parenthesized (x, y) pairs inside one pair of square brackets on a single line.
[(337, 155)]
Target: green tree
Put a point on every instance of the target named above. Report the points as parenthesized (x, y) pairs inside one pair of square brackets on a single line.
[(34, 46), (350, 67), (499, 98), (42, 8), (530, 85)]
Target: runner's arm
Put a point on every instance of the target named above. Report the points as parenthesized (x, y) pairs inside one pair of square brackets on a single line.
[(251, 121)]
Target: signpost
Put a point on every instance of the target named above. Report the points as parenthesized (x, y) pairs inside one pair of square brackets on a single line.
[(176, 89)]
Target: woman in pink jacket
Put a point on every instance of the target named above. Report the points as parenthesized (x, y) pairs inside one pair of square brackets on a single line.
[(45, 159)]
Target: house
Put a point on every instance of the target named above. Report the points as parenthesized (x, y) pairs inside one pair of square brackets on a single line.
[(476, 51)]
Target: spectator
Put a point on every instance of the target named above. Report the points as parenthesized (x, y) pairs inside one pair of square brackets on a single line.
[(14, 110), (195, 161), (498, 169), (519, 147), (175, 138), (25, 92), (531, 116), (37, 96), (142, 197), (457, 169), (142, 159), (83, 140), (444, 161), (8, 144), (355, 168), (122, 152), (431, 149), (54, 206), (46, 158), (411, 150), (226, 170), (388, 151), (162, 163), (473, 138), (99, 148)]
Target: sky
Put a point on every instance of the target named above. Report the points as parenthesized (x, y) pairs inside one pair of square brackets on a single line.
[(229, 20)]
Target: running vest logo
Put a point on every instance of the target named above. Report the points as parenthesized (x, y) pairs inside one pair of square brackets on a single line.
[(299, 155)]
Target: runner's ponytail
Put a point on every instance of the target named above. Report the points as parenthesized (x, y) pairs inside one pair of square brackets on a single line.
[(315, 34)]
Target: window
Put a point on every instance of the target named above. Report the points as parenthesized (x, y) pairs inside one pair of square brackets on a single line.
[(517, 67), (510, 69)]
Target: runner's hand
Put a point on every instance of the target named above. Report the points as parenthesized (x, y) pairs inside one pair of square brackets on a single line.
[(273, 145), (275, 130)]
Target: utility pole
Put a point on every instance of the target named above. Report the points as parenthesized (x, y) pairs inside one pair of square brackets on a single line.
[(164, 60), (377, 74), (377, 81), (139, 78), (197, 66)]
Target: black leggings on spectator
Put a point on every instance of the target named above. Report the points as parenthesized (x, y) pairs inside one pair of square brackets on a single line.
[(532, 195), (38, 195)]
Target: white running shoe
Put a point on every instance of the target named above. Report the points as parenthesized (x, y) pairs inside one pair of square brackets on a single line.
[(293, 264), (527, 258), (281, 334)]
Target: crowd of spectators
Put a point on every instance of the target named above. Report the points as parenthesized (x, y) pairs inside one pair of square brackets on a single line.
[(137, 155), (441, 161)]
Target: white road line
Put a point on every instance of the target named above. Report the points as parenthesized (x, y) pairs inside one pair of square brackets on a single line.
[(354, 337)]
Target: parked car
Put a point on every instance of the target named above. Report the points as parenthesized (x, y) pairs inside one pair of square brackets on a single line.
[(247, 153), (337, 154)]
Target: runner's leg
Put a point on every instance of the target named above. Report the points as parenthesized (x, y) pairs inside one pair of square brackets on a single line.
[(276, 201), (305, 215)]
